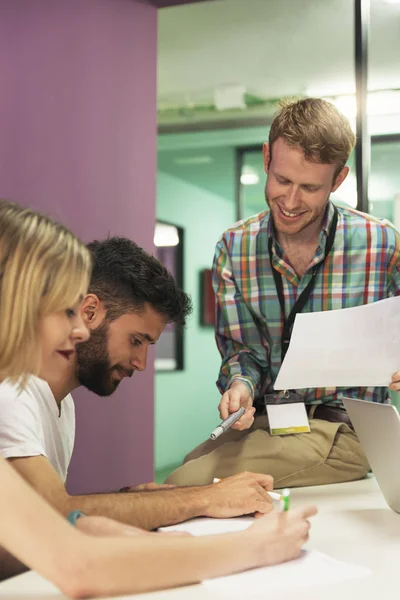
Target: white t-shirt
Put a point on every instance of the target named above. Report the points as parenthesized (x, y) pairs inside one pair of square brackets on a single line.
[(30, 424)]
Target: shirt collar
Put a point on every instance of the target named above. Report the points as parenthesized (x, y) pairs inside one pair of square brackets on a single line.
[(330, 211)]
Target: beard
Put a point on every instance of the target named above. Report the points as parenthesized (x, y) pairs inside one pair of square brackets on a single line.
[(93, 367)]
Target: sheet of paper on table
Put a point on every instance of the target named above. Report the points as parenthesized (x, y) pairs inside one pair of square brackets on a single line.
[(312, 568), (351, 347)]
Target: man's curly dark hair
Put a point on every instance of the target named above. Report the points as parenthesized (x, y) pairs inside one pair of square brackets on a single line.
[(126, 278)]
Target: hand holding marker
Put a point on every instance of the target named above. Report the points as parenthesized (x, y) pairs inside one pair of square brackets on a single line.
[(284, 498), (222, 427)]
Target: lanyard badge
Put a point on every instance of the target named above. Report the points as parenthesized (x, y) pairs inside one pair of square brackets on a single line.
[(286, 410), (286, 413)]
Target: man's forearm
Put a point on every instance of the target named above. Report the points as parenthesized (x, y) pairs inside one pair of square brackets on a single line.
[(145, 509), (148, 510)]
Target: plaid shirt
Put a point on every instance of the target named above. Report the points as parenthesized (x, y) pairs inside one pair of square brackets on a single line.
[(362, 267)]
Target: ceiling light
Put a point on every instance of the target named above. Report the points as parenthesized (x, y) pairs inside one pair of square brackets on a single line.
[(380, 102), (228, 97), (165, 235), (346, 104)]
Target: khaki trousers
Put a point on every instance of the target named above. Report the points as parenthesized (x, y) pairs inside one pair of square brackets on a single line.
[(331, 453)]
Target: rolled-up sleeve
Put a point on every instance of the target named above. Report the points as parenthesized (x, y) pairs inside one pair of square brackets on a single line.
[(243, 352)]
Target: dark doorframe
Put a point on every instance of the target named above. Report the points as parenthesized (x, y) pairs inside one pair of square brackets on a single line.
[(363, 143)]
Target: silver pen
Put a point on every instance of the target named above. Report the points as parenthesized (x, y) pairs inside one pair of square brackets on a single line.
[(227, 423)]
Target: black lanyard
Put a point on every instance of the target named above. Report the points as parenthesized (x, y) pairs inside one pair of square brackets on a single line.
[(302, 299)]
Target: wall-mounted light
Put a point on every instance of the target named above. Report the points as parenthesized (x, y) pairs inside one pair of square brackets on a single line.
[(165, 235), (249, 176)]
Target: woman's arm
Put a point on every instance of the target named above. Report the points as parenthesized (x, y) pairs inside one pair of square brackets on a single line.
[(91, 525), (84, 566), (32, 531)]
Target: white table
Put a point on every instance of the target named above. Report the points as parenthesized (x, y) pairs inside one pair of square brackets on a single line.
[(354, 524)]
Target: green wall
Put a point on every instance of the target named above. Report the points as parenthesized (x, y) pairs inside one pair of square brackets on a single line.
[(186, 402)]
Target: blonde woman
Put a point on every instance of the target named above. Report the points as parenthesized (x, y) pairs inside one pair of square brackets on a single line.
[(44, 271), (44, 262)]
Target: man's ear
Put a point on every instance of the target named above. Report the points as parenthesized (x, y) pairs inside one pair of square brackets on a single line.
[(340, 177), (267, 156), (93, 311)]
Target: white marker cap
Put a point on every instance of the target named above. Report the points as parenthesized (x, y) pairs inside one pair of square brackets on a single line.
[(217, 432)]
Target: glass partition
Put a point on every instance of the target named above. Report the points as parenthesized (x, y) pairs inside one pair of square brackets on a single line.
[(384, 185)]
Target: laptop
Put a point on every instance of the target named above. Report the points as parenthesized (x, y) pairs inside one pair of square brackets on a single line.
[(378, 429)]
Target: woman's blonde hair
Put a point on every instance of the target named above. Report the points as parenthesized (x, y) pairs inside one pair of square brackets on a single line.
[(44, 268)]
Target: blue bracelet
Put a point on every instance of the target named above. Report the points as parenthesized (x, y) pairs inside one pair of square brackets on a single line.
[(74, 516)]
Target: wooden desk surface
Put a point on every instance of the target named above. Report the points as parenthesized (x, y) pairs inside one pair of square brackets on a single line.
[(354, 524)]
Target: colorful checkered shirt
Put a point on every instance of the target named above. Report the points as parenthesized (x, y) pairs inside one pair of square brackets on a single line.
[(362, 267)]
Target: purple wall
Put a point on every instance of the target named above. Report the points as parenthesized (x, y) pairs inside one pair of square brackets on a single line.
[(78, 140)]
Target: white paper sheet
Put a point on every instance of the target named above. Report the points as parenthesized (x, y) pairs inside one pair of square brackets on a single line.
[(312, 568), (351, 347)]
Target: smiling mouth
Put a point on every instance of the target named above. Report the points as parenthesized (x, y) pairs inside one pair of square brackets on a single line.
[(66, 353), (289, 214), (122, 374)]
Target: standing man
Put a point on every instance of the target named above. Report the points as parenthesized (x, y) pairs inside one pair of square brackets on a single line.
[(303, 254)]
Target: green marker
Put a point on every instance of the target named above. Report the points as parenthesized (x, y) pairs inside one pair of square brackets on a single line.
[(285, 500)]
